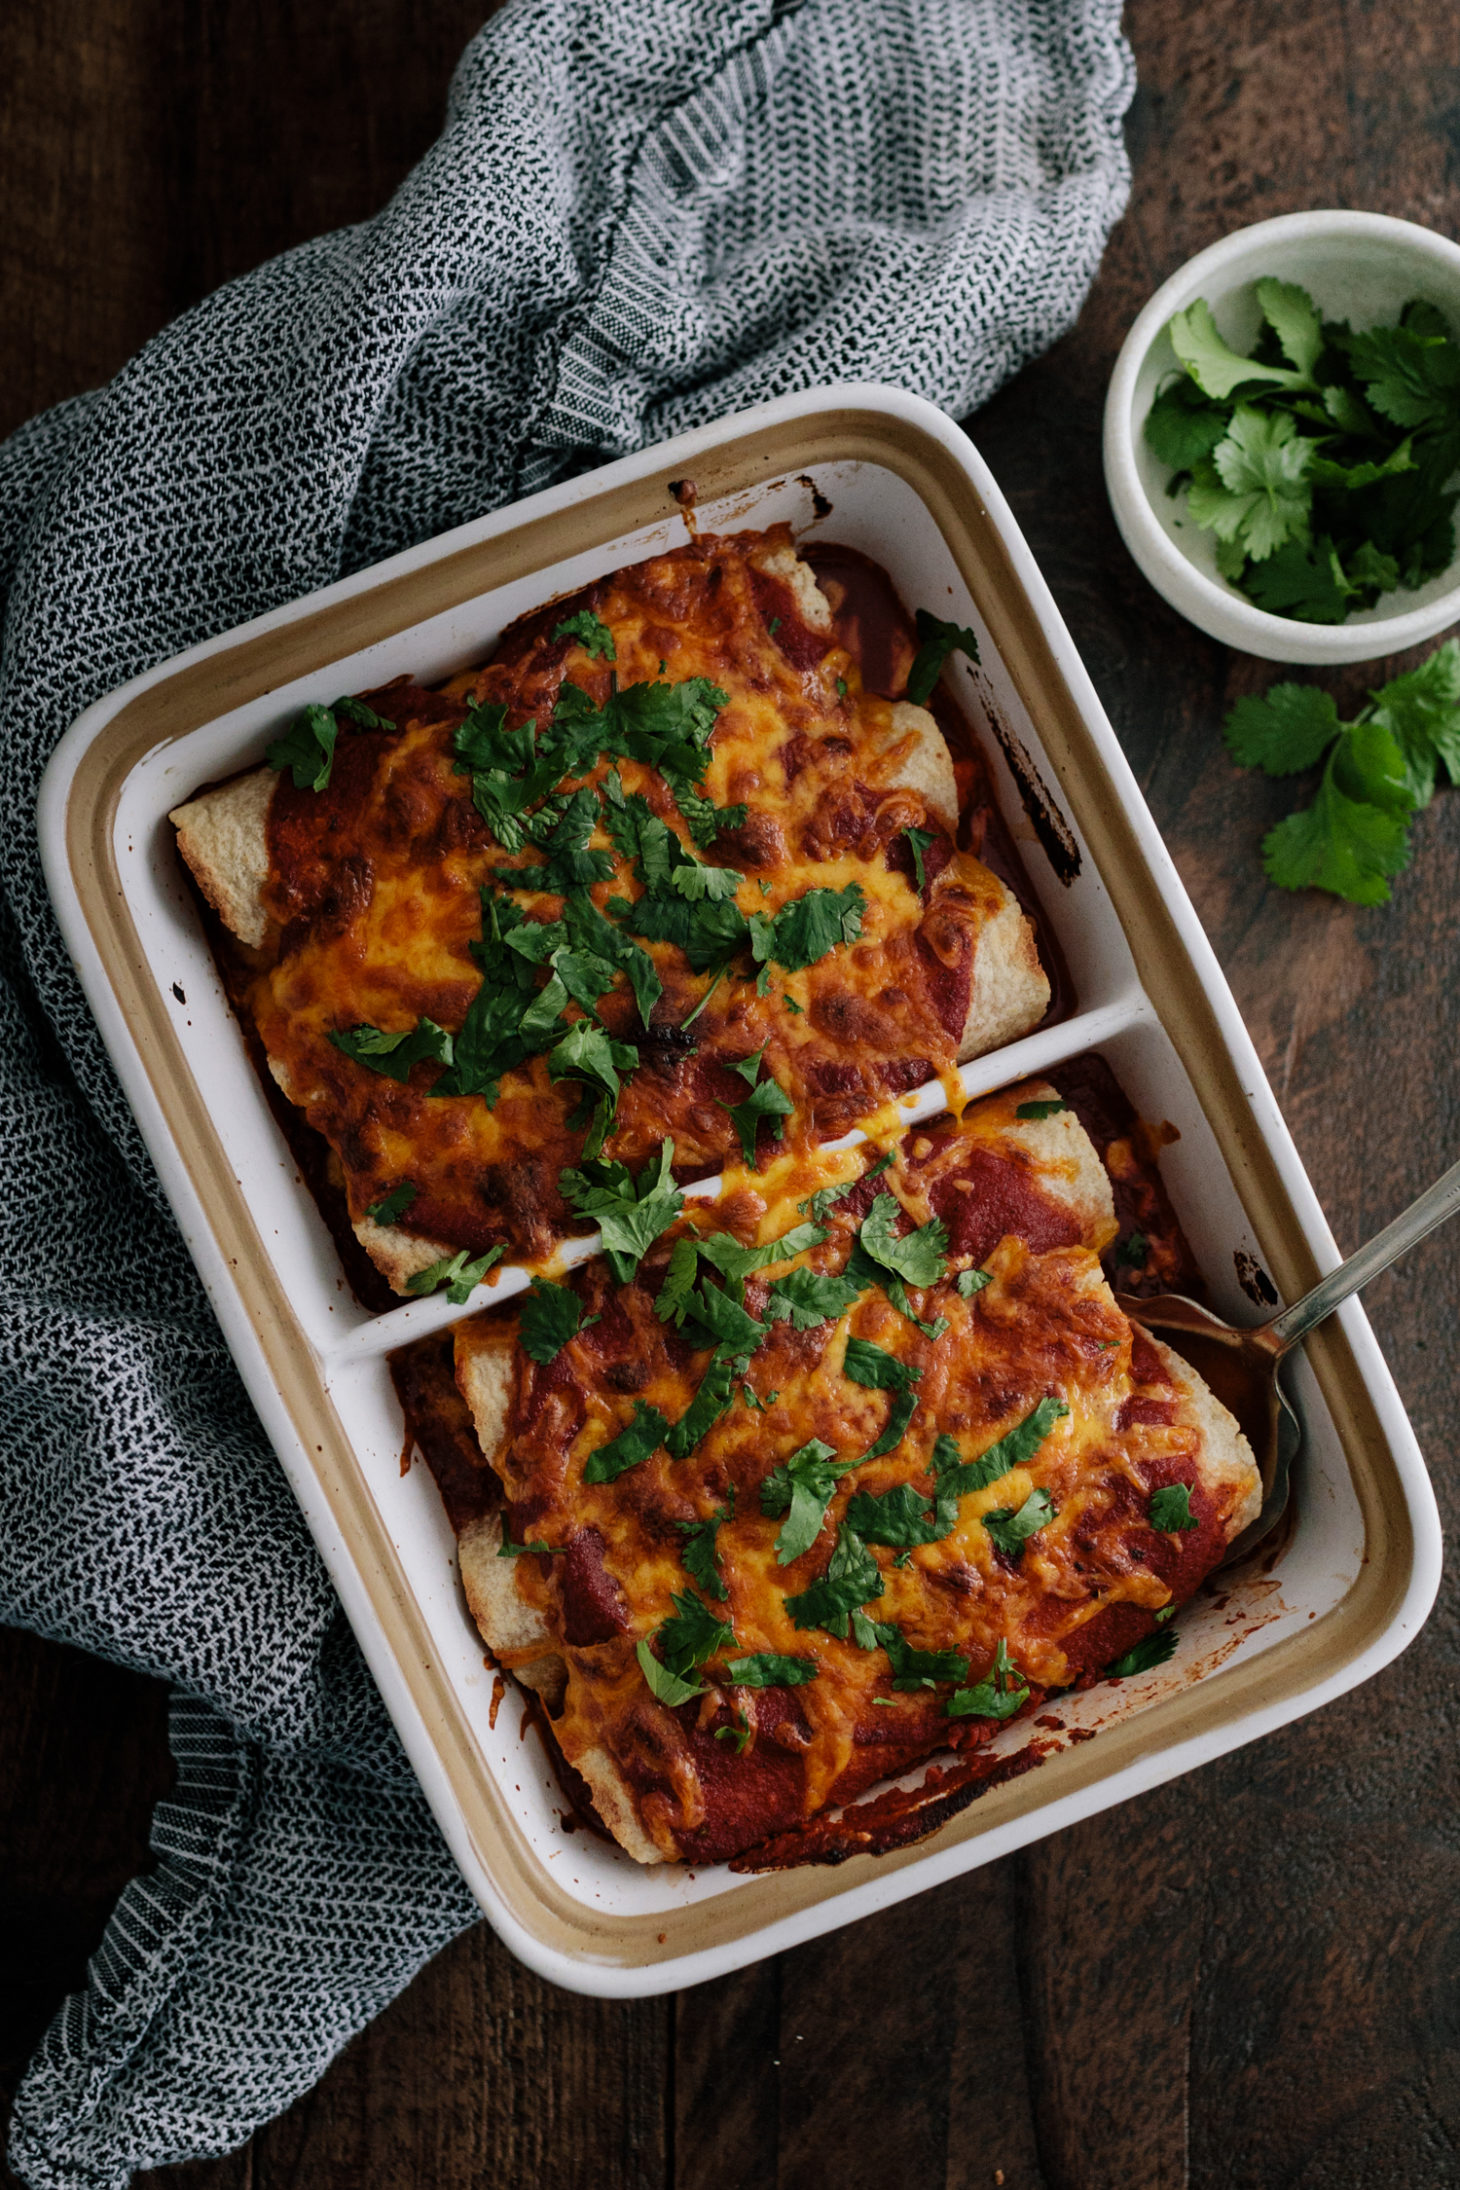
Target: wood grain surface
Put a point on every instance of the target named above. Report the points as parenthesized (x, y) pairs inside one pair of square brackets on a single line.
[(1249, 1980)]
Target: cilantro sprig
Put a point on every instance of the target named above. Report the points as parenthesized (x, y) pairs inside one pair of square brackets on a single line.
[(1322, 462), (1379, 771)]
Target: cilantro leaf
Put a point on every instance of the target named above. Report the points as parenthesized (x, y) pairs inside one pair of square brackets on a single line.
[(1041, 1110), (998, 1695), (675, 1296), (733, 1328), (916, 1256), (899, 1414), (591, 633), (629, 1214), (1170, 1509), (459, 1275), (1216, 368), (1293, 318), (699, 882), (1182, 426), (852, 1579), (1368, 765), (669, 1687), (708, 933), (912, 1668), (805, 1484), (807, 927), (766, 1101), (699, 1552), (508, 1550), (1144, 1656), (1011, 1530), (918, 841), (392, 1206), (734, 1261), (1339, 844), (1421, 710), (394, 1054), (808, 1297), (1132, 1251), (878, 1370), (307, 748), (715, 1393), (969, 1282), (863, 1273), (956, 1477), (587, 1052), (694, 1634), (645, 1434), (1410, 377), (936, 641), (349, 709), (827, 1197), (551, 1315), (1283, 730), (1301, 579), (597, 937), (900, 1517), (1252, 491), (769, 1669)]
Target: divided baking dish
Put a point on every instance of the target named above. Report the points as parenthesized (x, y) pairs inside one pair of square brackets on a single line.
[(881, 471)]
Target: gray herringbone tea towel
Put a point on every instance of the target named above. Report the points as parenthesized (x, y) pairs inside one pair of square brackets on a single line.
[(641, 214)]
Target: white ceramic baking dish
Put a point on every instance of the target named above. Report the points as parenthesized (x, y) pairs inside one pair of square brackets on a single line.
[(894, 477)]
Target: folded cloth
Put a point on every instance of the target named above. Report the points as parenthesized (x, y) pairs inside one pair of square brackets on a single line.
[(638, 218)]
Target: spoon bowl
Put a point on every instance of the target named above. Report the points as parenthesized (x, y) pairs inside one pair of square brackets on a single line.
[(1243, 1367)]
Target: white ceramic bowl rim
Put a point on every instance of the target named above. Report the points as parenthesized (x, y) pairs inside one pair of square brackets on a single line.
[(1388, 635)]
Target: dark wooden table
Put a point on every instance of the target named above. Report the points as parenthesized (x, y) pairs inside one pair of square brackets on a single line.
[(1249, 1980)]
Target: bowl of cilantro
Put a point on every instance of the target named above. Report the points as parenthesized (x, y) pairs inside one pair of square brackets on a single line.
[(1282, 437)]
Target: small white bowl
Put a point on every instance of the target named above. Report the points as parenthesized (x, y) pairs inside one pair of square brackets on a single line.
[(1360, 267)]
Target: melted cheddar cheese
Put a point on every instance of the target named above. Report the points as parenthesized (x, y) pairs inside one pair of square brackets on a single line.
[(373, 898), (1083, 1586)]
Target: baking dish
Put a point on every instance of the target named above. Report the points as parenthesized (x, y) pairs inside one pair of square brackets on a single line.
[(878, 470)]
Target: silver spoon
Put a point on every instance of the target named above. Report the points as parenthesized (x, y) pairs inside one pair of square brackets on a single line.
[(1242, 1366)]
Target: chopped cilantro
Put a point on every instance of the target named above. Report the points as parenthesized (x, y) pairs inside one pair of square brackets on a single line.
[(587, 1052), (394, 1054), (841, 688), (1042, 1110), (1011, 1530), (1144, 1656), (804, 1484), (355, 711), (643, 1435), (731, 1326), (734, 1261), (630, 1214), (913, 1669), (550, 1317), (685, 1641), (807, 927), (998, 1695), (769, 1669), (936, 641), (457, 1273), (715, 1393), (828, 1196), (901, 1517), (508, 1550), (899, 1414), (918, 841), (669, 1687), (701, 1558), (1132, 1251), (672, 1302), (1167, 1612), (915, 1256), (851, 1580), (1015, 1449), (808, 1297), (767, 1101), (969, 1282), (739, 1732), (307, 748), (591, 633), (393, 1205), (1170, 1509), (877, 1369)]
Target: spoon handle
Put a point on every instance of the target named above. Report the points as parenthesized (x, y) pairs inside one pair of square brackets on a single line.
[(1437, 1203)]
